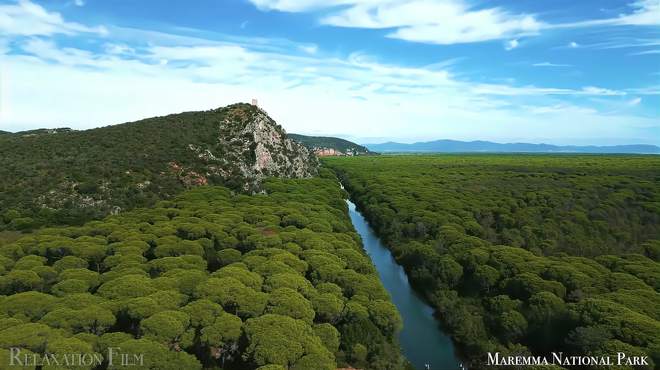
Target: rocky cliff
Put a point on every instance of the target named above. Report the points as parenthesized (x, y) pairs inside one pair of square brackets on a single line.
[(251, 146)]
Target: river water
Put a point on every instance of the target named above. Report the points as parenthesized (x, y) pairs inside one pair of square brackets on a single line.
[(421, 339)]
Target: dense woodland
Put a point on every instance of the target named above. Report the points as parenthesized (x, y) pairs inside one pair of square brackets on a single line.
[(211, 279), (524, 253), (65, 177)]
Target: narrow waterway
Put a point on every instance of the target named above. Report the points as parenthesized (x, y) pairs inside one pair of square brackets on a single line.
[(422, 341)]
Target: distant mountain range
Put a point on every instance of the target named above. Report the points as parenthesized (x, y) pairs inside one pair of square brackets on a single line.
[(330, 146), (455, 146)]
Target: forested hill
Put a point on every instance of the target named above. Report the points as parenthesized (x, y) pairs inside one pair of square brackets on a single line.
[(68, 177), (331, 146), (455, 146)]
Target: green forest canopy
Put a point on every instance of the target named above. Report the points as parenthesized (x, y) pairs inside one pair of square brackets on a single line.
[(210, 278), (524, 253)]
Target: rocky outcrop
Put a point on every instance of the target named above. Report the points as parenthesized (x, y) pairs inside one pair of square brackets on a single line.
[(252, 146)]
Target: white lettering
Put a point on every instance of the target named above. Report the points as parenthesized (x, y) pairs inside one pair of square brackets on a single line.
[(111, 353), (493, 361), (15, 352), (620, 356)]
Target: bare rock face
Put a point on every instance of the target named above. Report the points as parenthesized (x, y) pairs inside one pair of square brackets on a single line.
[(252, 146)]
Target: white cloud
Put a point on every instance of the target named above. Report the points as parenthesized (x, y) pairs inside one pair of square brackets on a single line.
[(511, 44), (593, 90), (644, 13), (40, 94), (573, 45), (147, 73), (202, 77), (623, 43), (309, 49), (448, 21), (297, 5), (634, 102), (204, 55), (79, 2), (29, 19), (118, 49), (436, 22), (513, 91), (650, 90), (560, 108), (47, 50), (427, 21), (548, 64), (647, 52)]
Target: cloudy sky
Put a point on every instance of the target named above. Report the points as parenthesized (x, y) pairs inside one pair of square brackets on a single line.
[(555, 71)]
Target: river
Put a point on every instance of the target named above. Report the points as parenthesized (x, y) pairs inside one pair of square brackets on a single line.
[(421, 339)]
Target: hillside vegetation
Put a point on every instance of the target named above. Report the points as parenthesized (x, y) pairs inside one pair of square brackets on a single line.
[(524, 254), (65, 177), (208, 279), (323, 145)]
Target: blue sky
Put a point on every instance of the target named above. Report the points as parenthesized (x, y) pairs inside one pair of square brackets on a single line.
[(554, 71)]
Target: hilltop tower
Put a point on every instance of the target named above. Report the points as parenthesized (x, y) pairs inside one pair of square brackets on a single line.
[(254, 102)]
